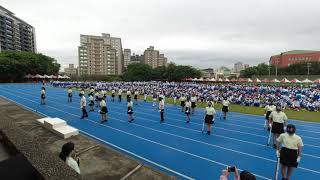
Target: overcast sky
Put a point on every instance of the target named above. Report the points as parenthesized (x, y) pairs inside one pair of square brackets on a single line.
[(202, 33)]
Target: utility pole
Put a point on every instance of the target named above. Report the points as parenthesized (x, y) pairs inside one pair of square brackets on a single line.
[(308, 65)]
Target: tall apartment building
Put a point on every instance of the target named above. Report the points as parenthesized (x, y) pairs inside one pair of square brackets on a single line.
[(162, 60), (15, 34), (100, 55), (126, 57), (238, 67), (153, 58)]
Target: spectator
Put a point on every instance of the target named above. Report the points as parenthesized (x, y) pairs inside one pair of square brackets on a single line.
[(66, 153), (244, 175)]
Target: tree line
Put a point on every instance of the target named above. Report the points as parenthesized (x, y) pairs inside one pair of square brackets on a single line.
[(171, 72), (14, 65), (294, 69)]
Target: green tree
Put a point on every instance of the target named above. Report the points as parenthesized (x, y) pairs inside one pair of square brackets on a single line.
[(138, 72)]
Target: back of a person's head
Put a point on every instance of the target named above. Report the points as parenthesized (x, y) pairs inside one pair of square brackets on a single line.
[(66, 150), (245, 175)]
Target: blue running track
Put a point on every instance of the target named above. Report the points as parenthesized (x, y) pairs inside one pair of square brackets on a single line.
[(176, 147)]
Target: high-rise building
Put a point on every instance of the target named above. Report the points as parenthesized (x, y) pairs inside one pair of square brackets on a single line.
[(126, 57), (71, 70), (15, 34), (238, 67), (100, 55), (153, 58)]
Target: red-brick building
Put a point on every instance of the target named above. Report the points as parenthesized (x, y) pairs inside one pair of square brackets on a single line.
[(285, 59)]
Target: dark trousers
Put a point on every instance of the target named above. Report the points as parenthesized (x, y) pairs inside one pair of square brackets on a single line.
[(161, 115), (84, 112)]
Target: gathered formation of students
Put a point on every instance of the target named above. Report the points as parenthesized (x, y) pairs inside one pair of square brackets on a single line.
[(276, 120)]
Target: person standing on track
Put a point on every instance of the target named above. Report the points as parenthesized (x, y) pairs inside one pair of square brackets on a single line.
[(103, 111), (277, 121), (268, 109), (97, 98), (69, 94), (161, 109), (209, 118), (290, 154), (130, 110), (83, 106), (43, 96), (113, 94), (136, 93), (91, 102), (188, 109), (225, 107), (193, 103), (92, 91), (182, 102), (145, 95), (119, 94), (128, 94), (154, 98)]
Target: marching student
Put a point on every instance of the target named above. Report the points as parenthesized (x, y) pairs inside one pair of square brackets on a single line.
[(188, 109), (97, 99), (103, 111), (154, 98), (128, 94), (130, 110), (145, 95), (209, 118), (225, 107), (92, 91), (91, 103), (119, 94), (69, 94), (81, 91), (277, 121), (182, 102), (43, 96), (161, 109), (113, 94), (268, 109), (136, 93), (103, 94), (175, 99), (83, 103), (290, 153), (193, 103)]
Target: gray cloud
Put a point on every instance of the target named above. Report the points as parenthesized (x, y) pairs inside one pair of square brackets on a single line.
[(206, 33)]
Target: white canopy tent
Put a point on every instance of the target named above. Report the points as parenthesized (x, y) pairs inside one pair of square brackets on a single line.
[(307, 81)]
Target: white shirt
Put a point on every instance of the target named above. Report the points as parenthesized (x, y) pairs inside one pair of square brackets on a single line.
[(91, 98), (120, 91), (130, 104), (225, 103), (188, 104), (103, 103), (112, 91), (210, 111), (193, 99), (278, 117), (92, 90), (69, 90), (182, 98), (290, 142), (73, 164), (161, 105), (136, 93), (83, 102), (270, 108), (43, 91)]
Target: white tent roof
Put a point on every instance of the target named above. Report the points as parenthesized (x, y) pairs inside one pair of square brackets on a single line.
[(285, 80), (226, 80), (38, 76), (213, 79), (66, 77), (307, 81), (220, 80), (201, 79), (257, 80), (46, 76), (275, 80), (295, 81), (249, 80), (60, 77)]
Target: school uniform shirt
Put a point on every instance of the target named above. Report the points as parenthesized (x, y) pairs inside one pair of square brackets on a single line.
[(136, 93), (182, 98), (161, 105), (83, 102), (92, 91), (43, 92), (112, 91), (193, 99), (120, 92), (290, 142), (210, 111), (270, 108), (188, 104), (225, 103), (73, 164), (278, 117), (128, 92), (97, 94), (130, 104), (103, 92), (69, 91), (103, 103)]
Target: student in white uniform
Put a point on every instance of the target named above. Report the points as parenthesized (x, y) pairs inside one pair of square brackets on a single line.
[(225, 107), (188, 109), (182, 102), (161, 109), (268, 109), (136, 93), (120, 94), (113, 94), (91, 103), (277, 121), (175, 99), (43, 96), (209, 118), (97, 99), (66, 153), (83, 103), (103, 111), (69, 94), (154, 98), (193, 103), (128, 94), (290, 154), (145, 95), (130, 110), (92, 91)]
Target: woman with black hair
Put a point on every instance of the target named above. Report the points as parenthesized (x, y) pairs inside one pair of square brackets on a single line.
[(65, 155), (91, 103), (113, 94), (188, 109), (268, 110), (43, 96), (225, 107), (103, 111), (69, 94), (290, 153), (193, 103), (277, 122), (161, 109), (136, 93), (130, 110), (209, 118), (182, 102)]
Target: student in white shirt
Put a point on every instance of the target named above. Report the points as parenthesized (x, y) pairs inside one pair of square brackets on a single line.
[(103, 111), (128, 94), (97, 99), (43, 96), (268, 109), (209, 118), (136, 93), (277, 121), (193, 103), (69, 94), (182, 102), (91, 103), (83, 103), (113, 94), (290, 154), (66, 155), (119, 94), (145, 95), (130, 110), (188, 109), (161, 109), (225, 107)]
